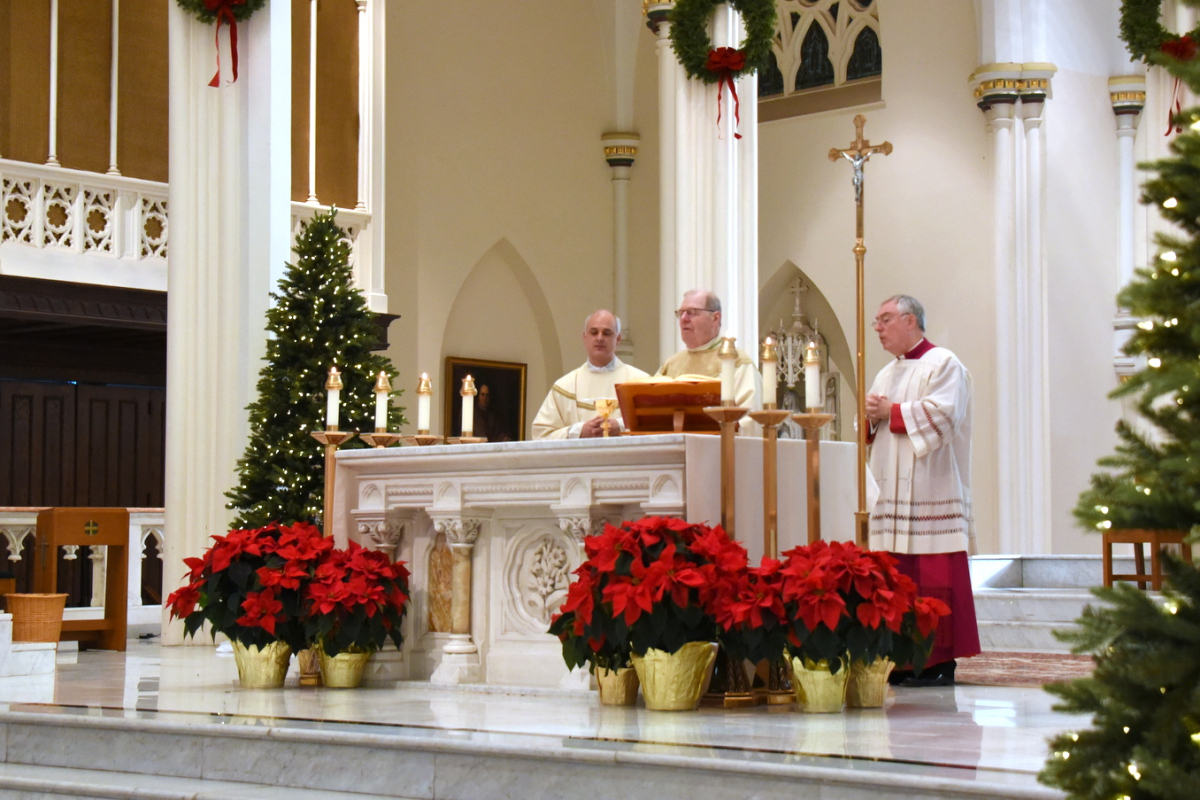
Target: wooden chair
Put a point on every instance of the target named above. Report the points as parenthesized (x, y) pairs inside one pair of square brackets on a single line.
[(1156, 539)]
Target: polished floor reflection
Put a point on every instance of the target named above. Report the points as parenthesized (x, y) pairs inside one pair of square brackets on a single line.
[(996, 734)]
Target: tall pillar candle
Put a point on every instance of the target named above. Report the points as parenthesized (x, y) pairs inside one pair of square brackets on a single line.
[(468, 393), (424, 395), (770, 363), (333, 391), (728, 356), (812, 375), (383, 388)]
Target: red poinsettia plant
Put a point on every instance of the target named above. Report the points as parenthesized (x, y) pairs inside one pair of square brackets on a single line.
[(654, 583), (751, 614), (248, 584), (843, 604), (355, 601)]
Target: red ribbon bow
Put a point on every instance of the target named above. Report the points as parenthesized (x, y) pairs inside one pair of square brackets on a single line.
[(224, 11), (1183, 49), (724, 62)]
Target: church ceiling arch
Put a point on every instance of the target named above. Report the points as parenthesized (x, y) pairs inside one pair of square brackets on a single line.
[(777, 303)]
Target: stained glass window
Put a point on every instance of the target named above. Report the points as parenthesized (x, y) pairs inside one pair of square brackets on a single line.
[(815, 66), (867, 59), (770, 79)]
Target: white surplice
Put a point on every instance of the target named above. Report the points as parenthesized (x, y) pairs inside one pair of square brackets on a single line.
[(571, 401), (923, 472)]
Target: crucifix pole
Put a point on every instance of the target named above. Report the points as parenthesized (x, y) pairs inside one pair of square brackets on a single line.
[(858, 153)]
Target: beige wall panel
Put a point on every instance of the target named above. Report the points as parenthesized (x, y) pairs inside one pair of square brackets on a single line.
[(84, 81), (644, 210), (300, 25), (27, 90), (494, 116), (142, 113), (337, 103), (929, 206)]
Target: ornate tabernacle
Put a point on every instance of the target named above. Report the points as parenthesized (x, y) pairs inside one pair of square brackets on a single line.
[(508, 520)]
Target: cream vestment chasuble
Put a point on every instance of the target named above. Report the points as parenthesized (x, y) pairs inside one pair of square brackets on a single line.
[(571, 400), (922, 459), (703, 360)]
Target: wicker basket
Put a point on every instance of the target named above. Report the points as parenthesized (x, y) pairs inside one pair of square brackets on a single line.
[(36, 617)]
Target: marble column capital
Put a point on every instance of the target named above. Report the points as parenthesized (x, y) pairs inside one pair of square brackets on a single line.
[(461, 531)]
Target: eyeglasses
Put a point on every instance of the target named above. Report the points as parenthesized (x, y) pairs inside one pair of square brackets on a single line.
[(886, 319), (680, 313)]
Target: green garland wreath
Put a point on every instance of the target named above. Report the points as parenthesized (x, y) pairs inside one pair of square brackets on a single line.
[(689, 35), (1144, 35), (241, 9)]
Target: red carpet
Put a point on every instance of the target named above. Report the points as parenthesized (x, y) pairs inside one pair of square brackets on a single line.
[(1021, 669)]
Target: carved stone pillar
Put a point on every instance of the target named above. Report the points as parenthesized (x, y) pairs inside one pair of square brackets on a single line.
[(460, 655), (382, 535)]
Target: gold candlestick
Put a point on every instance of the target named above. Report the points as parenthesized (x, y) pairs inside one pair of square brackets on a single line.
[(332, 439), (424, 439), (728, 417), (380, 438), (812, 422), (770, 418)]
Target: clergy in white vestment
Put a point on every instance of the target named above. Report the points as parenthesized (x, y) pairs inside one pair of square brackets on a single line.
[(919, 412), (569, 410), (699, 318)]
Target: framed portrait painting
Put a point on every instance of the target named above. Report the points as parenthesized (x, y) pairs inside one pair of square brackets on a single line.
[(500, 404)]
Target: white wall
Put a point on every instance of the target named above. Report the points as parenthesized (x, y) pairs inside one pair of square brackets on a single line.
[(928, 206), (494, 117)]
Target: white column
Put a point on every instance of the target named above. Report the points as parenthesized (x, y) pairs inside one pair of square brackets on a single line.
[(1033, 534), (669, 73), (1128, 96), (714, 199), (218, 282), (113, 93), (620, 150), (366, 76), (312, 103), (52, 159), (999, 108), (1011, 92)]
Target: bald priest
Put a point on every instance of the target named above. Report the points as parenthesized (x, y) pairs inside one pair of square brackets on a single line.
[(569, 410)]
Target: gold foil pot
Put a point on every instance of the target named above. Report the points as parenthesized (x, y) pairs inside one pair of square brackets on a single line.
[(818, 690), (675, 681), (617, 687), (262, 669), (868, 684), (343, 671)]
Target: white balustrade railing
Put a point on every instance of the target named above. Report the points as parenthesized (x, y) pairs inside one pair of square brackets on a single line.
[(359, 237), (67, 224), (18, 527)]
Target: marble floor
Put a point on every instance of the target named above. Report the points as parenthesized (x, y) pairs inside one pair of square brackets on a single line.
[(980, 734)]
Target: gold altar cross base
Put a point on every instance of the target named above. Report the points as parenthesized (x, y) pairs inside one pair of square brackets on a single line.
[(858, 153)]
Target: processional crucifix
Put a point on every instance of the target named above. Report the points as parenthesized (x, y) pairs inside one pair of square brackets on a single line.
[(858, 153)]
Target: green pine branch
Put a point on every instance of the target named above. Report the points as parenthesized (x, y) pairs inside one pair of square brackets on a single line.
[(318, 319)]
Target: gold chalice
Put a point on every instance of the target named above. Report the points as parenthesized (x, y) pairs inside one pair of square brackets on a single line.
[(605, 406)]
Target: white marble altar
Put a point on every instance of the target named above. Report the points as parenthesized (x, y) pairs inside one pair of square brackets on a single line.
[(515, 515)]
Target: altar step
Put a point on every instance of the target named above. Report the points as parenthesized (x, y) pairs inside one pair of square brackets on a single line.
[(1021, 600), (81, 753)]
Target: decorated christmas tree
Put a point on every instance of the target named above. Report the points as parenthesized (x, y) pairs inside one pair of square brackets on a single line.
[(1144, 694), (318, 320)]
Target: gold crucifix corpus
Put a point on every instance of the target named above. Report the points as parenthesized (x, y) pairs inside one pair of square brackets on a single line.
[(858, 153)]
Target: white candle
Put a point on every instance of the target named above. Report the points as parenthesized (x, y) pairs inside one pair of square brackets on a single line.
[(728, 356), (812, 376), (424, 392), (468, 406), (769, 372), (333, 392), (382, 388)]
